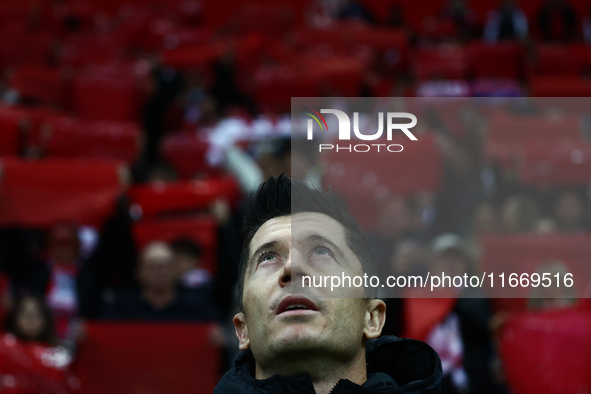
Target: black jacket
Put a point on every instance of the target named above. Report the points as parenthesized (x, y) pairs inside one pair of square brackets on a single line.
[(394, 366)]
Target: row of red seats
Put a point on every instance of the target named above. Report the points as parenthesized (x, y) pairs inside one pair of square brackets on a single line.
[(374, 176), (57, 135), (110, 91), (545, 351), (483, 60)]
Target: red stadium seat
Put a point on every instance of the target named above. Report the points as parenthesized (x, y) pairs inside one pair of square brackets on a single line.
[(19, 47), (11, 120), (310, 77), (109, 91), (440, 62), (87, 48), (502, 60), (559, 86), (524, 253), (350, 34), (39, 83), (202, 230), (186, 153), (547, 352), (186, 57), (43, 193), (177, 197), (124, 358), (505, 127), (364, 179), (274, 19), (562, 162), (68, 137), (560, 60)]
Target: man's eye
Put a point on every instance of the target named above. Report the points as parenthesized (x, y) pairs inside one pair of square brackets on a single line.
[(321, 251), (266, 257)]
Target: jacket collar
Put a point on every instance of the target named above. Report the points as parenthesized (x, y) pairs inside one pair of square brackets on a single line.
[(394, 366)]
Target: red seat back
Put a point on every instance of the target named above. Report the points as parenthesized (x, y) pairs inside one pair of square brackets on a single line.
[(547, 352), (69, 137), (43, 193), (134, 358), (363, 178), (177, 197)]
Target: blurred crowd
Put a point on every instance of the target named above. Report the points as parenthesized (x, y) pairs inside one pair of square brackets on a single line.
[(180, 99)]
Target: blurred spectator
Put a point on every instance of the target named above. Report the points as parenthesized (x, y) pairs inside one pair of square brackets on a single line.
[(159, 297), (167, 85), (60, 278), (463, 185), (31, 321), (355, 10), (6, 300), (553, 296), (225, 90), (518, 215), (274, 157), (394, 219), (569, 212), (301, 161), (187, 255), (506, 23), (396, 16), (545, 226), (586, 25), (462, 338), (457, 20), (557, 21), (29, 362)]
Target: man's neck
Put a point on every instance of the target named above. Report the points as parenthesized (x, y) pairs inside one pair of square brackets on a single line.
[(324, 371), (159, 299)]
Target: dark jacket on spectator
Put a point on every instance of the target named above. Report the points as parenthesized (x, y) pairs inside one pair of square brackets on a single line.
[(394, 365), (189, 305)]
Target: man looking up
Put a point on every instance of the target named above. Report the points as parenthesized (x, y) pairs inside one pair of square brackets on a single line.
[(304, 340)]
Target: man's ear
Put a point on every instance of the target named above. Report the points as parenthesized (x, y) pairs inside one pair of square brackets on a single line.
[(241, 331), (375, 317)]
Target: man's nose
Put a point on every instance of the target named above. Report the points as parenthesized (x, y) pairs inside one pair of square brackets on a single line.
[(295, 267), (285, 276)]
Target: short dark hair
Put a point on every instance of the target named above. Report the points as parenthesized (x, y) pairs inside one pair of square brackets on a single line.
[(283, 196), (186, 246)]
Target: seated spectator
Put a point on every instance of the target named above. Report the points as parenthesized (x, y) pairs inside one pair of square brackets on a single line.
[(355, 10), (557, 21), (518, 215), (61, 291), (586, 25), (569, 212), (506, 23), (187, 255), (31, 321), (159, 296), (5, 298), (462, 337), (546, 226), (27, 352), (394, 220)]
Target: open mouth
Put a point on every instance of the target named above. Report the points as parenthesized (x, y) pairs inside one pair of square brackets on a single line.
[(296, 305)]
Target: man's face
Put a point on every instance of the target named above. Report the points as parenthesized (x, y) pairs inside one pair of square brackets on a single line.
[(157, 271), (273, 323)]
